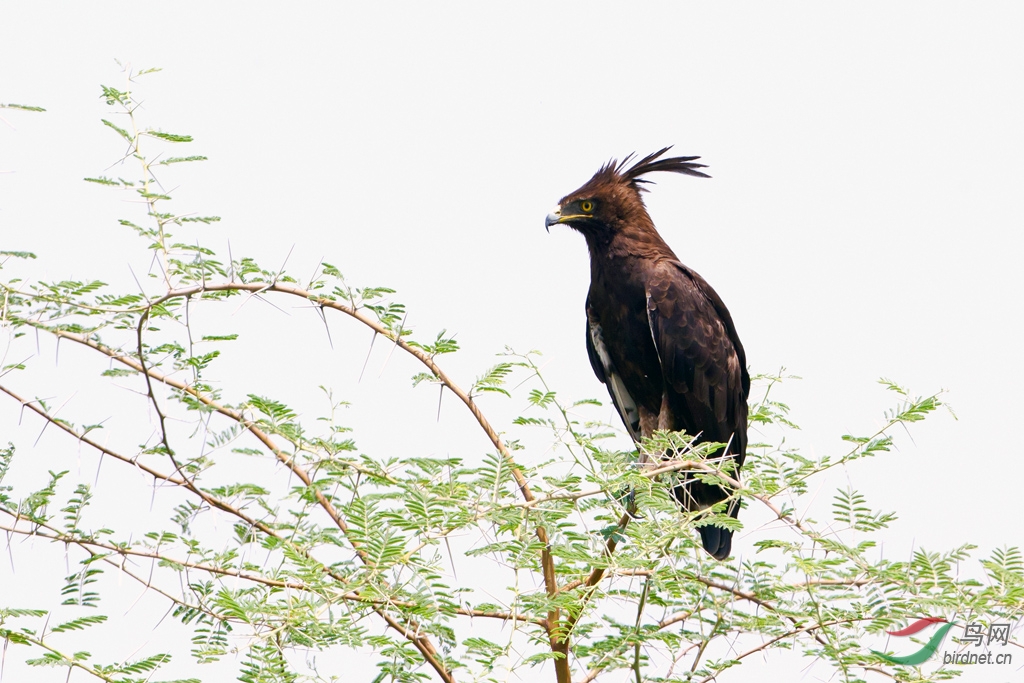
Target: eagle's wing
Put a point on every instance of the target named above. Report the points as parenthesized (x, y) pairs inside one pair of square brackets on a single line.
[(702, 359), (605, 371)]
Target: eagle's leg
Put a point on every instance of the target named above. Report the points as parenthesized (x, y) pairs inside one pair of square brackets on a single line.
[(650, 421), (665, 418)]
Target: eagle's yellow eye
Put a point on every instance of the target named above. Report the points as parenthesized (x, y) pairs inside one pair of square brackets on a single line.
[(587, 206)]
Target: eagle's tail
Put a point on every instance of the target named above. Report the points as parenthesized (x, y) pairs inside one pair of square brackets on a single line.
[(695, 495), (718, 541)]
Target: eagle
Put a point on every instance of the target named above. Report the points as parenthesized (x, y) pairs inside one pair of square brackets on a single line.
[(658, 336)]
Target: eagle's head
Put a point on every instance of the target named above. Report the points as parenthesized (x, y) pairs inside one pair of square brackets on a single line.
[(611, 199)]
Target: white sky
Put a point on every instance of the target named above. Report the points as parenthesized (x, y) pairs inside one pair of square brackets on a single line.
[(863, 220)]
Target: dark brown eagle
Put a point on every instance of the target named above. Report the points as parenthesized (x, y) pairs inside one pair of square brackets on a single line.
[(658, 335)]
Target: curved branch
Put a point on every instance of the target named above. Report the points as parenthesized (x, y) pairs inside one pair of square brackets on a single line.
[(547, 560), (264, 438), (420, 641), (93, 547)]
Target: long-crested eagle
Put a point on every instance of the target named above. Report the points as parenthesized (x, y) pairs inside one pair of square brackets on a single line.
[(658, 335)]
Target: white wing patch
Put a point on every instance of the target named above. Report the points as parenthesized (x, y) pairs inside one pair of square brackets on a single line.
[(623, 401), (650, 326)]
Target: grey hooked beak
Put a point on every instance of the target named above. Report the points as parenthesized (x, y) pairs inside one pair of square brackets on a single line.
[(552, 218)]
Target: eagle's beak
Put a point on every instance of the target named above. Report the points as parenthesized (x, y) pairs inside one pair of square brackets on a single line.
[(553, 217)]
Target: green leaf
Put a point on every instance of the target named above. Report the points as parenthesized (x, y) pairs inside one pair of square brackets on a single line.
[(18, 254), (23, 107), (102, 180), (169, 137), (179, 160), (120, 131), (79, 624)]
